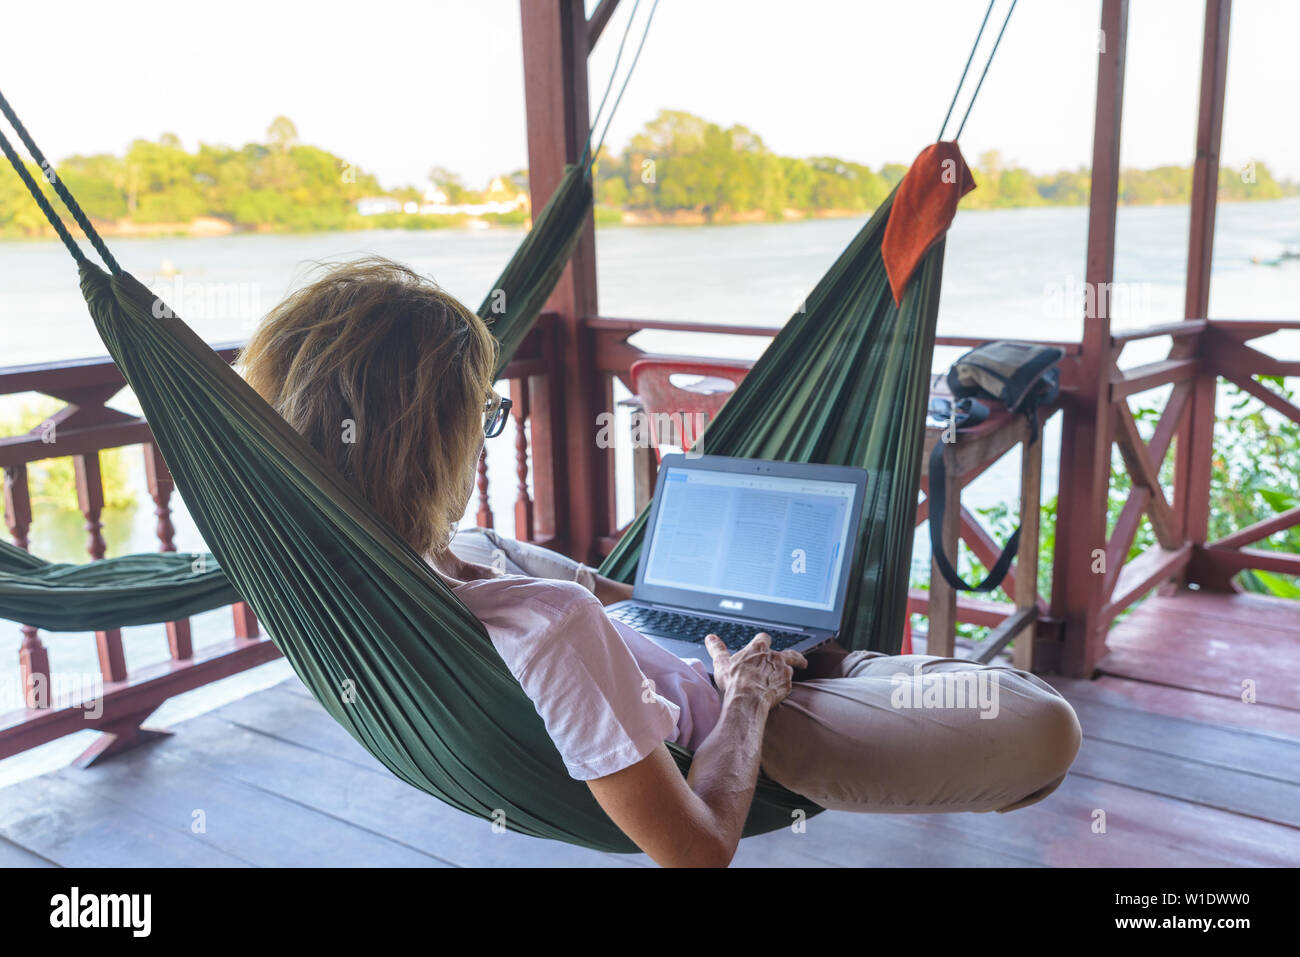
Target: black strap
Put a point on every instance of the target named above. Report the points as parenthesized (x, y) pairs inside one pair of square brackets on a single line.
[(938, 504)]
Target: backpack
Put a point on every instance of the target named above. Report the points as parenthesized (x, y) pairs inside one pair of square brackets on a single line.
[(1023, 376)]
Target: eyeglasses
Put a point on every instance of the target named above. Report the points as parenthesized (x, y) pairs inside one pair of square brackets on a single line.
[(495, 412)]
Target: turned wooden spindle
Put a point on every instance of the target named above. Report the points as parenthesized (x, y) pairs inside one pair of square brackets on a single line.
[(523, 502), (484, 509), (158, 478), (90, 499), (33, 659)]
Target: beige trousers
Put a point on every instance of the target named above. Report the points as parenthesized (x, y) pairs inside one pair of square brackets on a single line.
[(864, 731)]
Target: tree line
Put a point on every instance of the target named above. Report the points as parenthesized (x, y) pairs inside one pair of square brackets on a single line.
[(677, 165)]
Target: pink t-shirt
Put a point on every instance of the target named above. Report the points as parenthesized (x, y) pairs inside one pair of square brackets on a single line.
[(608, 695)]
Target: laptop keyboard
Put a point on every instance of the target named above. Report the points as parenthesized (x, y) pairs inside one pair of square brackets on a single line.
[(694, 628)]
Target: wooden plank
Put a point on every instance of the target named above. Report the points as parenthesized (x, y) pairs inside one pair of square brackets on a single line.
[(14, 855), (1177, 330), (1234, 608), (1189, 780), (296, 720), (74, 826), (1143, 573), (1144, 472), (1025, 589), (1143, 830), (170, 788), (371, 798), (844, 839), (1007, 632), (1127, 382), (597, 21), (1219, 647), (1176, 673), (1217, 565), (1270, 398), (1266, 755), (1259, 530), (1183, 703)]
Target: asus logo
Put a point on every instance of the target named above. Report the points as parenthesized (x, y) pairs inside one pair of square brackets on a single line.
[(730, 605)]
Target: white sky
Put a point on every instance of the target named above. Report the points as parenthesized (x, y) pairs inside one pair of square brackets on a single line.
[(399, 87)]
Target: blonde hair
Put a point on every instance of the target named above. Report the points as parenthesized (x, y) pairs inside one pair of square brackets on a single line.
[(386, 375)]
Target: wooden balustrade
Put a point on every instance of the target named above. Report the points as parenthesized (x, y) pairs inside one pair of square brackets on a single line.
[(80, 430), (1202, 352)]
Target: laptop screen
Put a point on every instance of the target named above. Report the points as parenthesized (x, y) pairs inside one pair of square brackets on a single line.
[(763, 537)]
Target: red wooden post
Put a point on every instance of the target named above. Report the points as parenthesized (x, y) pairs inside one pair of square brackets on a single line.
[(1195, 445), (33, 659), (158, 477), (555, 39), (1086, 433), (245, 620)]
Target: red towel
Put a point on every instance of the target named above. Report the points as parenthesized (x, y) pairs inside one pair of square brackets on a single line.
[(923, 210)]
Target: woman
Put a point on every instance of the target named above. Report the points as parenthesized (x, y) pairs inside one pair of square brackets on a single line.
[(390, 379)]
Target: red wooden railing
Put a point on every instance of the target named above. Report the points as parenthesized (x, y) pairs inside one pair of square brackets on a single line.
[(1202, 352), (83, 427), (544, 499)]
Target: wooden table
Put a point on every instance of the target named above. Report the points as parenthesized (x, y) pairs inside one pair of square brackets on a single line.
[(966, 455)]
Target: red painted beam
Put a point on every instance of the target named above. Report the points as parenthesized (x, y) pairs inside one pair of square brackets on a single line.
[(1086, 431)]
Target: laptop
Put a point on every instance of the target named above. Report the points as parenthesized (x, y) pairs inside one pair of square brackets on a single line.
[(738, 546)]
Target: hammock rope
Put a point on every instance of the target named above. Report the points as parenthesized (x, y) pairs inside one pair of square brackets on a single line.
[(609, 86), (623, 89), (987, 63), (64, 193), (966, 69)]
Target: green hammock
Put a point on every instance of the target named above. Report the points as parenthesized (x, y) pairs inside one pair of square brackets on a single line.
[(375, 634), (113, 593)]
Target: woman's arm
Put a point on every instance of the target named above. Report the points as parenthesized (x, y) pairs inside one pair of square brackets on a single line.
[(697, 821), (610, 591)]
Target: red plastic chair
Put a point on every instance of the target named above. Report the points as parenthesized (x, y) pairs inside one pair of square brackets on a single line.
[(684, 395)]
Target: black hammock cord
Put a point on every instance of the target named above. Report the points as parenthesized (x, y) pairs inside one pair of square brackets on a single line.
[(966, 69), (64, 194)]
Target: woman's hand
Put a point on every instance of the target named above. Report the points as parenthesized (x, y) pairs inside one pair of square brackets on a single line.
[(755, 671)]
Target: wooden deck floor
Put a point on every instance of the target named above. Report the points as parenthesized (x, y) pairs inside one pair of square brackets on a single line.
[(1186, 773)]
